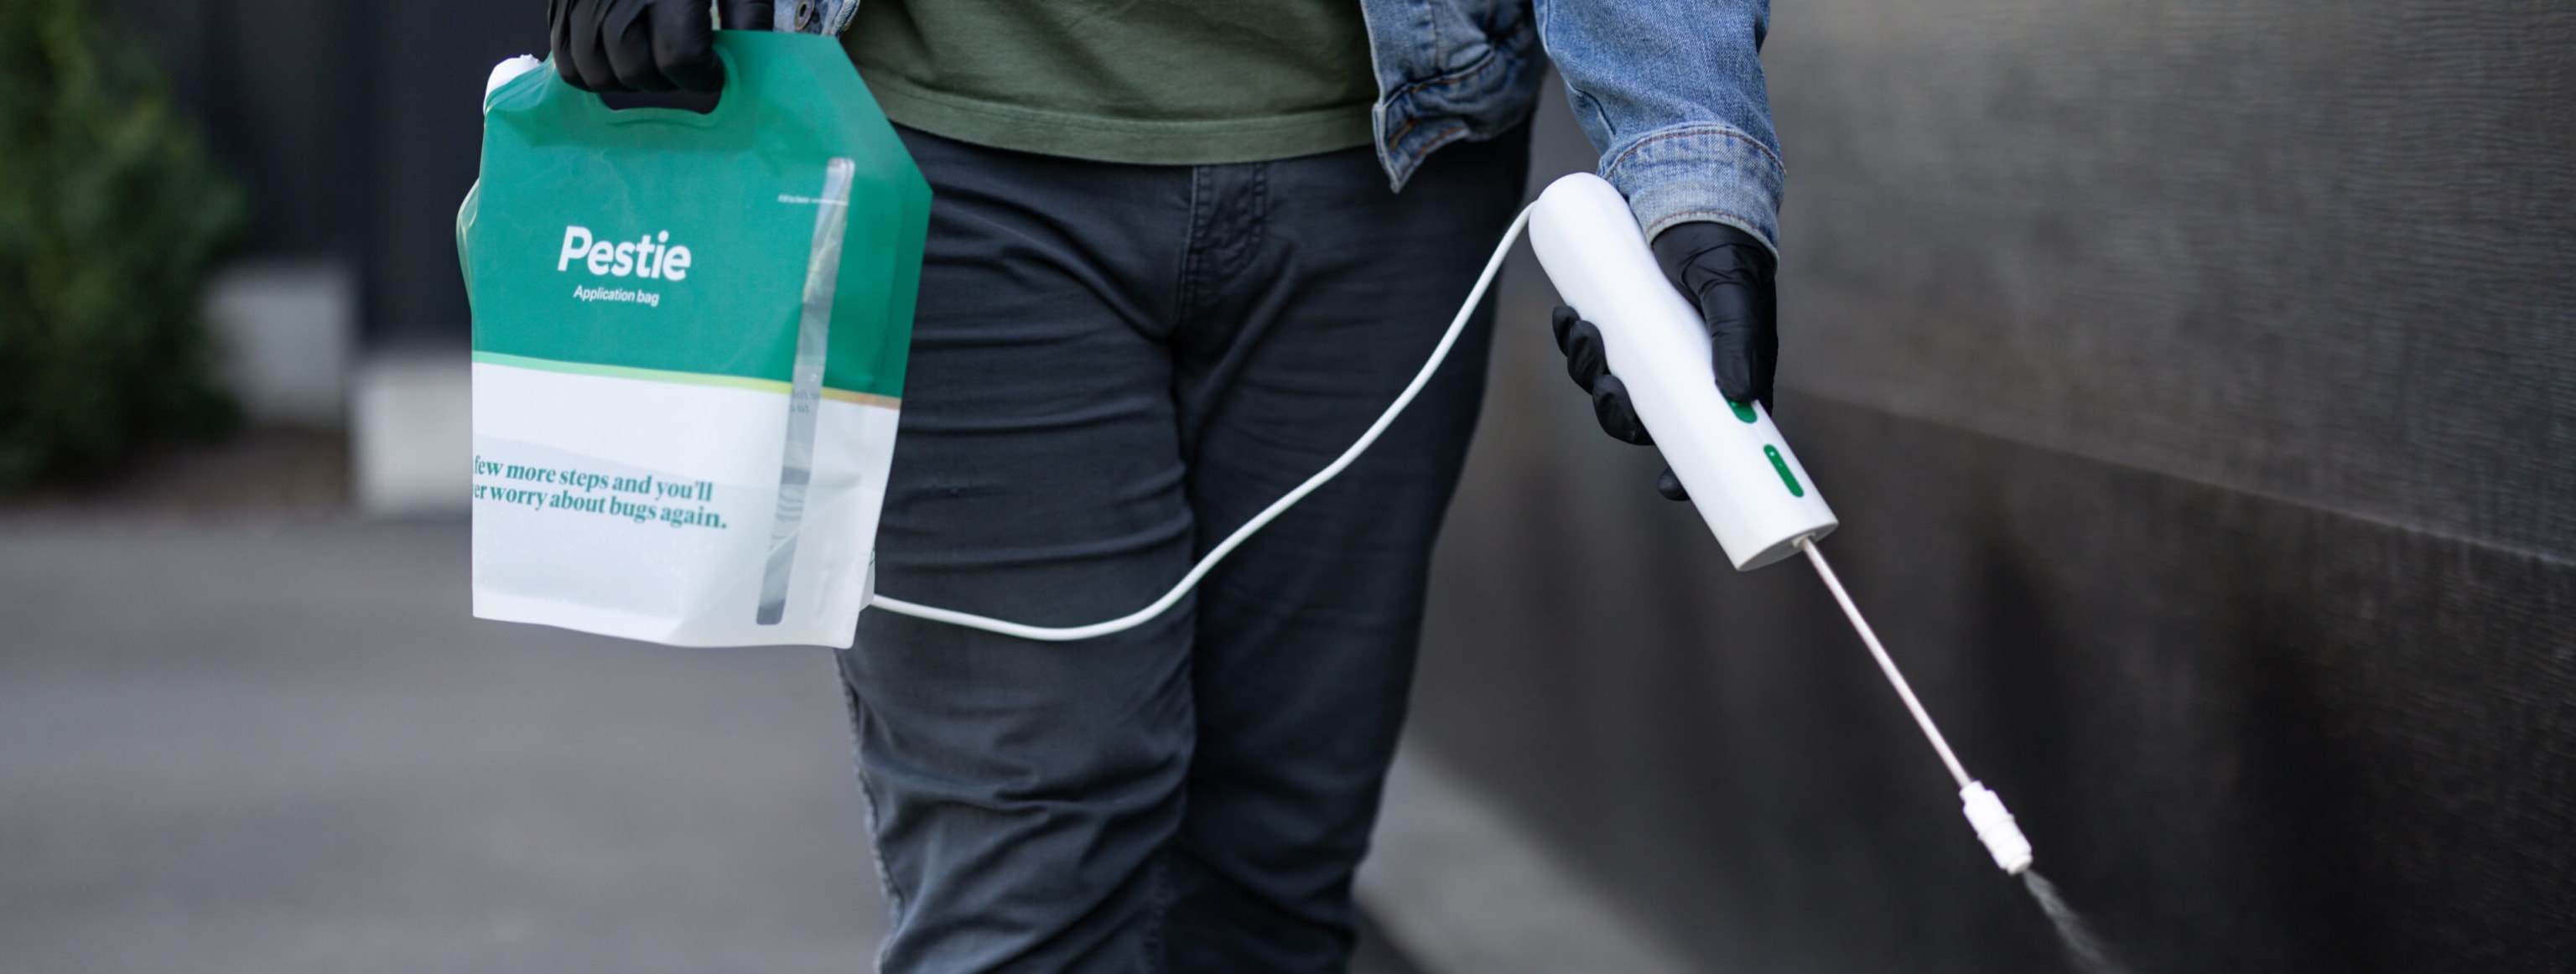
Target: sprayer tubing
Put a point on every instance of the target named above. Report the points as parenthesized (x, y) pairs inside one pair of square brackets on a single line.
[(1870, 636), (1439, 354)]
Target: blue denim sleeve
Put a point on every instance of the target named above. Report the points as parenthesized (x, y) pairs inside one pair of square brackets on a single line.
[(825, 17), (1671, 92)]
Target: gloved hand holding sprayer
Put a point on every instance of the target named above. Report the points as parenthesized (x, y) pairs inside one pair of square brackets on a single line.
[(1726, 273)]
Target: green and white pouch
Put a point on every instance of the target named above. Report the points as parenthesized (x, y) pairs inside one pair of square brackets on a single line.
[(689, 342)]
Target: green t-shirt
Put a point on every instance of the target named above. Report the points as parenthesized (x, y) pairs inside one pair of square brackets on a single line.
[(1146, 81)]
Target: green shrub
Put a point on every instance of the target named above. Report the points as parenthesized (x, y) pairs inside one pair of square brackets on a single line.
[(111, 217)]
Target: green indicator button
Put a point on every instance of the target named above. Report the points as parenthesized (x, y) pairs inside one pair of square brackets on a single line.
[(1783, 467), (1743, 410)]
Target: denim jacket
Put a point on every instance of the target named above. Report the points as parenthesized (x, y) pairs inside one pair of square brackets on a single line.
[(1670, 91)]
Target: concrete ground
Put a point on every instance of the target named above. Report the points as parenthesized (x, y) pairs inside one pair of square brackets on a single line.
[(285, 747)]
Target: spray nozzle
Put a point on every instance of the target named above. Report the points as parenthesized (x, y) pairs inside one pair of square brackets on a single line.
[(1995, 827)]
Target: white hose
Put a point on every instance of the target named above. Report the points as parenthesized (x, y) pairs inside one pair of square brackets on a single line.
[(1439, 354)]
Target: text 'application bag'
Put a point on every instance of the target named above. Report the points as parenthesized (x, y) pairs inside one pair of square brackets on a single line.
[(689, 341)]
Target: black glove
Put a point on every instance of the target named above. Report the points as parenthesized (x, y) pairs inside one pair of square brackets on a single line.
[(644, 45), (1727, 274), (1589, 365)]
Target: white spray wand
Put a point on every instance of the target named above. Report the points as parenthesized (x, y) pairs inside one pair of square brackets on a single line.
[(1741, 475)]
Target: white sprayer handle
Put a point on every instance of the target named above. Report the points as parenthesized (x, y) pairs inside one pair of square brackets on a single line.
[(1746, 482)]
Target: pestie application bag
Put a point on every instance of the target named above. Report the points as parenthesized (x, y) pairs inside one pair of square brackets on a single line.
[(689, 341)]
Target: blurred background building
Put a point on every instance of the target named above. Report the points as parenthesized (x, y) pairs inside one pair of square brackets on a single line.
[(2196, 382)]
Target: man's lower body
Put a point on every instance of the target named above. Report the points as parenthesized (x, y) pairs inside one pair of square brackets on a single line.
[(1113, 367)]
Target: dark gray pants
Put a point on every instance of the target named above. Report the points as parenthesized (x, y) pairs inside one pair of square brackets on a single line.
[(1113, 367)]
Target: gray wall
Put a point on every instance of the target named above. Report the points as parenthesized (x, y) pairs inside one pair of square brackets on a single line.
[(2197, 385)]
